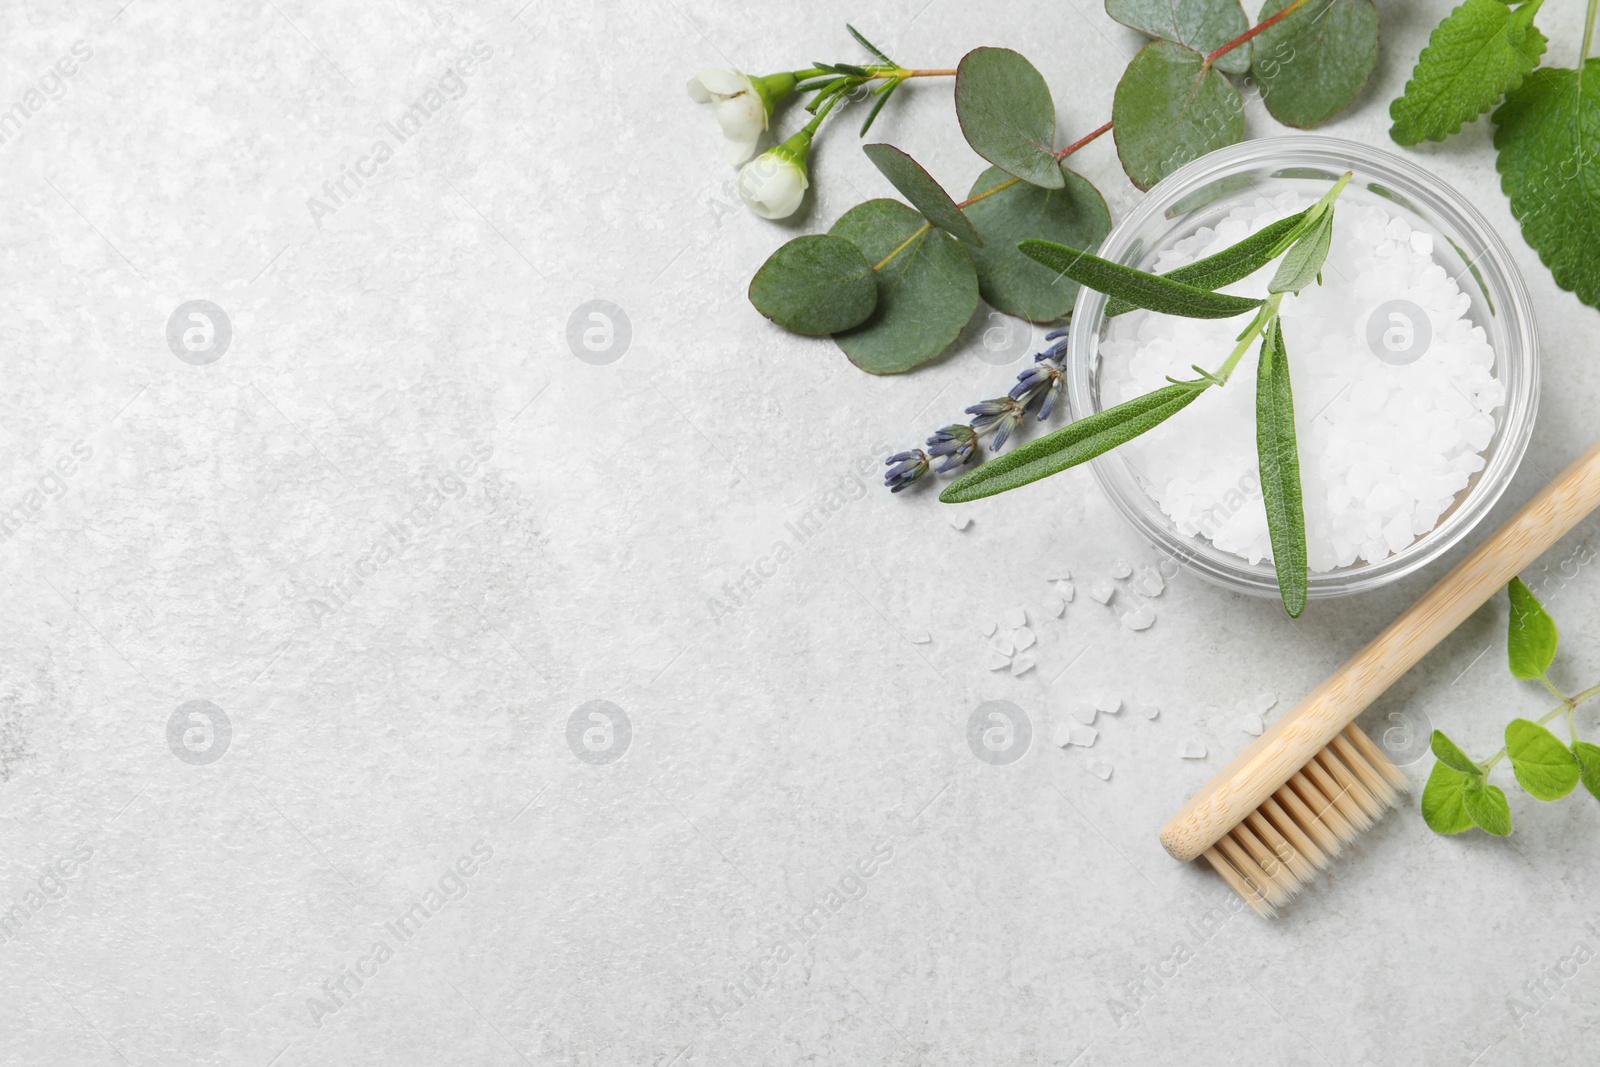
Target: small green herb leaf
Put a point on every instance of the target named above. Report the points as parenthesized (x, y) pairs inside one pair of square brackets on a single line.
[(1314, 63), (1531, 637), (1302, 264), (1073, 444), (927, 289), (1280, 471), (1548, 136), (918, 186), (1075, 215), (1479, 52), (815, 285), (1203, 25), (1442, 801), (1136, 287), (1449, 753), (1588, 757), (1229, 265), (1007, 114), (1171, 108), (1546, 768), (1487, 806), (868, 45)]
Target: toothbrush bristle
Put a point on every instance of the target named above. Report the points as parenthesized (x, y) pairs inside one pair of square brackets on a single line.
[(1298, 830)]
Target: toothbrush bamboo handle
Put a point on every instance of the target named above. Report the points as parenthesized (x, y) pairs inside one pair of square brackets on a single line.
[(1274, 757)]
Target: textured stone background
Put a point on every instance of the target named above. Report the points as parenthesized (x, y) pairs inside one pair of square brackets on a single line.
[(386, 717)]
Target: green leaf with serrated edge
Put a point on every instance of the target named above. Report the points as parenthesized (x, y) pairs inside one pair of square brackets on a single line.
[(1449, 753), (1075, 215), (1203, 25), (918, 186), (1231, 264), (1314, 63), (1442, 807), (1531, 635), (1545, 767), (1169, 109), (1302, 264), (1280, 472), (1007, 114), (1475, 56), (1548, 136), (1073, 444), (1487, 806), (1150, 291), (1588, 757), (815, 285), (927, 288)]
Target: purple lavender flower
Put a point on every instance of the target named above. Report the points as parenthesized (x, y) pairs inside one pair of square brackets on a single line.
[(905, 468), (1000, 415), (954, 444)]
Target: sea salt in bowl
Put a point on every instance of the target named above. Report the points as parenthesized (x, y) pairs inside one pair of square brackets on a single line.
[(1414, 369)]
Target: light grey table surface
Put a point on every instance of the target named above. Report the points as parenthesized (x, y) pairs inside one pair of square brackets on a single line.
[(392, 649)]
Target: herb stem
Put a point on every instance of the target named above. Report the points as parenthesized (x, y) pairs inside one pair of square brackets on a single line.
[(1080, 142), (1252, 31), (1567, 707)]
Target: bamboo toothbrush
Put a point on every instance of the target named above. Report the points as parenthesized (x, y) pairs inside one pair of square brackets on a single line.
[(1307, 786)]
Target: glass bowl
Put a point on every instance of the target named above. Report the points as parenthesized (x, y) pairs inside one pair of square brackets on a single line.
[(1199, 195)]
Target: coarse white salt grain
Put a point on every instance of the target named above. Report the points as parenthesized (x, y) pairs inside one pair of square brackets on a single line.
[(1193, 750), (1386, 444), (1102, 769)]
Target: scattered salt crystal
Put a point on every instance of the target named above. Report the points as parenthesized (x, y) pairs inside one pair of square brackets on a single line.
[(1054, 606), (1141, 618), (960, 522), (1020, 666), (921, 637), (1061, 734), (996, 661), (1120, 568), (989, 628), (1016, 617), (1252, 724), (1391, 428), (1083, 736), (1003, 645), (1108, 704), (1193, 750), (1084, 713), (1024, 638), (1265, 701), (1102, 591), (1148, 582), (1101, 769), (1066, 590), (1149, 711)]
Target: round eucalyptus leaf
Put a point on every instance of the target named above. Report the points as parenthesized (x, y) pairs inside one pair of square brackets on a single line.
[(815, 285), (918, 186), (1204, 25), (1314, 63), (1074, 215), (927, 288), (1007, 114), (1169, 109)]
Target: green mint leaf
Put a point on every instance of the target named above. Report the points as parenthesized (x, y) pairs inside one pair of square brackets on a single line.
[(1588, 757), (927, 289), (1150, 291), (1314, 63), (815, 285), (1302, 264), (1475, 56), (1073, 444), (869, 46), (1548, 136), (1449, 753), (1547, 769), (1203, 25), (1229, 265), (925, 194), (1007, 114), (1074, 215), (1487, 806), (1531, 637), (1170, 108), (1442, 801), (1280, 471)]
